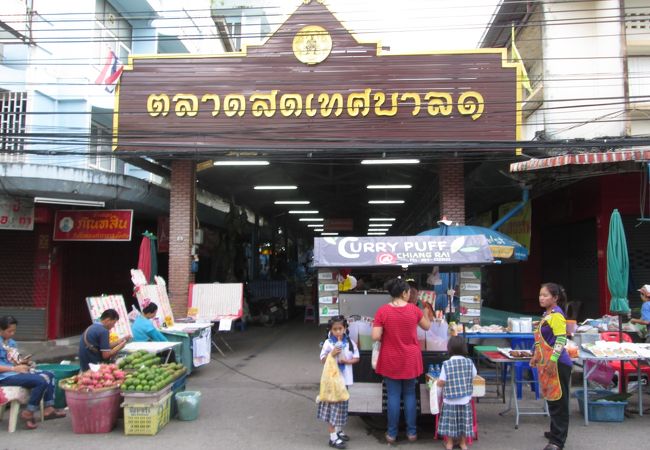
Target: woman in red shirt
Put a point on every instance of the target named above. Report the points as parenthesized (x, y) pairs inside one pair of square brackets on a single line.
[(400, 357)]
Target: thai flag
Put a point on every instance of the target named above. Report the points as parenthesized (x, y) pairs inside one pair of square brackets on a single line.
[(111, 72)]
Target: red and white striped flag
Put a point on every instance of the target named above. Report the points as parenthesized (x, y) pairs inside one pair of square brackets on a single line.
[(111, 72)]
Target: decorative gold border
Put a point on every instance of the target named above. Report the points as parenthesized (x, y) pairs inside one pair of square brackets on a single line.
[(379, 53)]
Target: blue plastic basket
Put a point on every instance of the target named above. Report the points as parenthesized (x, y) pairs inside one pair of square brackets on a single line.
[(601, 410)]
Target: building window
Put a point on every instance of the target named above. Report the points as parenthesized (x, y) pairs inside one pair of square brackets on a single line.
[(13, 107), (100, 149), (234, 30), (112, 31)]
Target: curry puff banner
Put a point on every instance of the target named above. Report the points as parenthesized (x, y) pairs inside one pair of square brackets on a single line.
[(400, 250)]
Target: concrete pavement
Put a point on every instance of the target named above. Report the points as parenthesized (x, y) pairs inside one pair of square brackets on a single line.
[(261, 396)]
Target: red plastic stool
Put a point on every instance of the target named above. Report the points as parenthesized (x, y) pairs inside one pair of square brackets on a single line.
[(310, 314)]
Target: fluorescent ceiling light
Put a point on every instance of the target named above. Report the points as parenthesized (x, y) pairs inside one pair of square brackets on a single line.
[(329, 234), (382, 219), (291, 202), (266, 188), (381, 225), (372, 230), (296, 211), (242, 162), (389, 186), (385, 202), (376, 234), (390, 161), (315, 225), (69, 201), (310, 219), (318, 229)]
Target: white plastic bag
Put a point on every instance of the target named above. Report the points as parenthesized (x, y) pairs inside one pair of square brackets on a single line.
[(376, 348), (434, 398), (437, 336)]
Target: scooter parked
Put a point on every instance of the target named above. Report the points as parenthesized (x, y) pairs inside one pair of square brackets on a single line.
[(267, 310)]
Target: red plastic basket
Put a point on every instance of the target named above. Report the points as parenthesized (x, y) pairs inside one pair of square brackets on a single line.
[(93, 412)]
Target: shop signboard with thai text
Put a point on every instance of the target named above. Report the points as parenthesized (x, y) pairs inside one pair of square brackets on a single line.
[(16, 213), (369, 251), (313, 85), (93, 225)]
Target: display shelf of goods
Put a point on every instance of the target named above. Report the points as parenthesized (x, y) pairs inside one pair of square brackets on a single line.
[(139, 359), (107, 377), (152, 379)]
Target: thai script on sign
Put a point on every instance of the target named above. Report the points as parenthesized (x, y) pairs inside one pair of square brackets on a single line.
[(112, 223), (353, 104)]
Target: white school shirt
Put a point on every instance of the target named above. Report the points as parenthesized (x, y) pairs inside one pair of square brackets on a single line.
[(346, 354), (456, 401)]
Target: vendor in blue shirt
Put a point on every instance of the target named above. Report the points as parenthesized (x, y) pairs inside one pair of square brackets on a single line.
[(644, 292), (95, 346), (142, 327)]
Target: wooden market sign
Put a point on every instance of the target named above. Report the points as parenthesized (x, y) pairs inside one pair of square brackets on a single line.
[(313, 85)]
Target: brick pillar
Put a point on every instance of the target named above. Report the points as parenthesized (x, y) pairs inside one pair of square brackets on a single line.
[(182, 209), (452, 190)]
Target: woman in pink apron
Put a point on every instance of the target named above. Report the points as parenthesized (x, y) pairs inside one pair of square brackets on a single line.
[(553, 363)]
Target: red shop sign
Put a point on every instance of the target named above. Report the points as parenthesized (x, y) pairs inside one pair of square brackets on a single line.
[(93, 225)]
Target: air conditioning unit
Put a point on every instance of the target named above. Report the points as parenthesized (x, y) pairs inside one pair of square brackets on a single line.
[(198, 236)]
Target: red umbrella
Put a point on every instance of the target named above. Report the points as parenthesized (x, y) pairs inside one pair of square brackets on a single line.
[(144, 257)]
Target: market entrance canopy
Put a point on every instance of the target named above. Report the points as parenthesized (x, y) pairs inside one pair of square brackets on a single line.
[(401, 250), (582, 159), (312, 85)]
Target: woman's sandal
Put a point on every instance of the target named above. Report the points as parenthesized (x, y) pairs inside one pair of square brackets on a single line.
[(54, 415), (28, 422)]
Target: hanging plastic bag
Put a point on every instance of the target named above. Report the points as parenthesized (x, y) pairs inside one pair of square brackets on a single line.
[(437, 336), (353, 331), (376, 348), (599, 372), (434, 398), (332, 386)]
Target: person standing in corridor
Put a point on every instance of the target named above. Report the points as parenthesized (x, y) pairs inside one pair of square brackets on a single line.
[(400, 357), (553, 363)]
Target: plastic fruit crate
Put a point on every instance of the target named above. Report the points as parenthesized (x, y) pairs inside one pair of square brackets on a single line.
[(146, 398), (601, 410), (143, 419)]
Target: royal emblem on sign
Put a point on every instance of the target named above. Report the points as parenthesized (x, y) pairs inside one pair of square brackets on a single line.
[(312, 44)]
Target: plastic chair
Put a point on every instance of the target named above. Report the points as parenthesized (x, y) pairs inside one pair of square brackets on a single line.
[(628, 367), (521, 367), (15, 396)]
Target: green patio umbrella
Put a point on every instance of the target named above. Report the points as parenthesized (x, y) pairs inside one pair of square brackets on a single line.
[(618, 265)]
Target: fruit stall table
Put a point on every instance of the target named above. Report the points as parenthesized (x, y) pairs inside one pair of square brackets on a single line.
[(185, 334), (155, 347)]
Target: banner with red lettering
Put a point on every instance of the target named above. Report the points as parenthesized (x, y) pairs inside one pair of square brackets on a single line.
[(93, 225)]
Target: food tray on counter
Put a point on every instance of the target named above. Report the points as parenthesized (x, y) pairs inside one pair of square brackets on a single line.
[(515, 354), (606, 349)]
